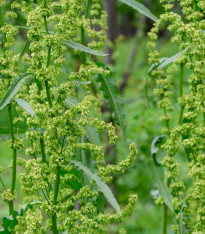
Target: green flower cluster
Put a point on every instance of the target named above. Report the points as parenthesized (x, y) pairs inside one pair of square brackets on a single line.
[(57, 132), (188, 32)]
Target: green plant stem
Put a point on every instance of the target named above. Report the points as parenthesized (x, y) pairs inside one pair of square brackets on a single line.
[(3, 185), (13, 182), (83, 31), (181, 93), (165, 212), (43, 150)]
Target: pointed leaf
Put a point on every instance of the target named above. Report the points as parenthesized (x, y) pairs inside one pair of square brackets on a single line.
[(140, 8), (171, 59), (83, 48), (114, 100), (10, 222), (93, 135), (13, 89), (100, 184), (159, 174), (71, 101), (25, 105)]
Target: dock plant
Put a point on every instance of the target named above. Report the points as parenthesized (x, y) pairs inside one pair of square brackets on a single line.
[(64, 173)]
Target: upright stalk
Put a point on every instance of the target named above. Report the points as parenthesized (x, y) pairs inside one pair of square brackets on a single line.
[(83, 31), (13, 182), (181, 93), (57, 182)]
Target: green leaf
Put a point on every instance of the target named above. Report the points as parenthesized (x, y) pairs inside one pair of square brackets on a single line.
[(171, 59), (71, 101), (141, 8), (83, 48), (10, 222), (114, 100), (13, 89), (25, 105), (93, 135), (79, 83), (159, 174), (100, 184), (25, 48), (183, 229)]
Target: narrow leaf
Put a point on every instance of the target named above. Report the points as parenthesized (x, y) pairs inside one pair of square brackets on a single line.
[(25, 48), (159, 174), (93, 135), (13, 89), (71, 101), (100, 184), (171, 59), (79, 83), (25, 105), (114, 100), (140, 8), (83, 48), (10, 222)]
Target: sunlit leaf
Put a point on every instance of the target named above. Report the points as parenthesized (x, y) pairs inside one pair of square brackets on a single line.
[(100, 184), (25, 105), (140, 8)]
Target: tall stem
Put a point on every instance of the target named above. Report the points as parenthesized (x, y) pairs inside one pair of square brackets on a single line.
[(57, 182), (83, 31), (181, 93), (13, 182)]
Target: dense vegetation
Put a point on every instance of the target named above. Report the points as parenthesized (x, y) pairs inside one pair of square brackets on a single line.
[(102, 125)]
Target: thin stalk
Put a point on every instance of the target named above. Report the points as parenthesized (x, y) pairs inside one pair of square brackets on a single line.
[(181, 79), (83, 31), (2, 183), (57, 182), (13, 182), (43, 150), (165, 212)]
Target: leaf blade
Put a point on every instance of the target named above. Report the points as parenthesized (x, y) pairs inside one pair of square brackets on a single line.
[(13, 89), (25, 105), (140, 8), (159, 175), (114, 99), (83, 48), (101, 185)]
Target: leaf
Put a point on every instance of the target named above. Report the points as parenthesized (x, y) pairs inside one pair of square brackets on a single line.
[(93, 135), (83, 48), (79, 83), (157, 64), (114, 100), (10, 222), (100, 184), (25, 105), (183, 229), (171, 59), (141, 8), (25, 48), (71, 101), (159, 174), (13, 89)]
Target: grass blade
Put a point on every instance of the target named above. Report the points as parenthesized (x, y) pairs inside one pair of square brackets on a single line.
[(100, 184), (140, 8), (13, 89)]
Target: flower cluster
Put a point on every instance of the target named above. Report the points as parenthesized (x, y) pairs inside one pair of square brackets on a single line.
[(188, 33), (65, 123)]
